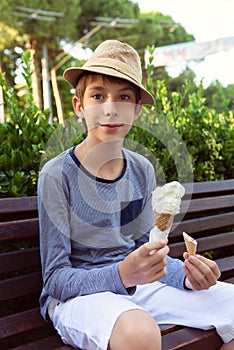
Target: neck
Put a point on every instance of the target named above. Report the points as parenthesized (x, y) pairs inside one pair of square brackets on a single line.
[(104, 160), (104, 150)]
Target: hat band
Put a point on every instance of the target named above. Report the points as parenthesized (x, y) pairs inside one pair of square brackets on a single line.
[(119, 66)]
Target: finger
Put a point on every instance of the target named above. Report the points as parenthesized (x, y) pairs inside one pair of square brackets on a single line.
[(200, 275), (158, 270), (158, 275), (146, 248), (185, 255), (196, 285), (152, 271), (208, 269), (194, 274), (212, 265), (158, 256)]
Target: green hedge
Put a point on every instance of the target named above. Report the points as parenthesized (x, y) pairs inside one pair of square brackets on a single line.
[(23, 138), (184, 138), (177, 128)]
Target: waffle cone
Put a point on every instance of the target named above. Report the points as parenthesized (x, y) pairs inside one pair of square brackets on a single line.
[(163, 221), (191, 244), (191, 248)]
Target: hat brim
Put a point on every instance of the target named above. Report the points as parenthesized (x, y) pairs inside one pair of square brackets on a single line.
[(72, 75)]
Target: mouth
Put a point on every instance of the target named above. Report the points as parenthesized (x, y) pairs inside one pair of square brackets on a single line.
[(111, 126)]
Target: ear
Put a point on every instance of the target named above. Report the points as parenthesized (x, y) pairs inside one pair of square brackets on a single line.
[(77, 106), (138, 109)]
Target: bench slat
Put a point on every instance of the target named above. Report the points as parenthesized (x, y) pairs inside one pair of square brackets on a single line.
[(21, 285), (48, 343), (226, 264), (18, 204), (230, 280), (216, 187), (169, 328), (204, 244), (191, 339), (20, 323), (21, 229), (19, 260), (206, 204), (202, 224)]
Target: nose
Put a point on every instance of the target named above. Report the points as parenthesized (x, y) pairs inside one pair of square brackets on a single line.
[(110, 109)]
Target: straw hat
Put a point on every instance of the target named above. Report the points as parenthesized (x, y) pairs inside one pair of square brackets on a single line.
[(116, 59)]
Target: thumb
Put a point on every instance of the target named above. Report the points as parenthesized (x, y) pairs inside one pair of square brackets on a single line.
[(185, 255)]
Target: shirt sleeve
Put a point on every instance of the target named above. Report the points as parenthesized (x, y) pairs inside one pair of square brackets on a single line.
[(61, 280), (175, 273)]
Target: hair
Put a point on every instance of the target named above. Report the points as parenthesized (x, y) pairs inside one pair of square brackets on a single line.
[(88, 77)]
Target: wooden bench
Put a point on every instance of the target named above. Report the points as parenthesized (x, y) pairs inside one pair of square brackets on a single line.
[(209, 218)]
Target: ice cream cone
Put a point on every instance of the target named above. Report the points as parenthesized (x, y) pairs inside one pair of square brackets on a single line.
[(166, 204), (163, 221), (162, 226), (191, 244)]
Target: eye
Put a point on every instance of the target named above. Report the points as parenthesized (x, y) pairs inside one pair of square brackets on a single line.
[(97, 96), (124, 97)]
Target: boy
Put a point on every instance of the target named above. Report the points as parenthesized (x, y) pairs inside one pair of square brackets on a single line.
[(103, 289)]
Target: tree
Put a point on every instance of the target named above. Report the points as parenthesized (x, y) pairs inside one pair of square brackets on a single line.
[(48, 29), (78, 18), (156, 27), (42, 27), (90, 10), (159, 30), (220, 98)]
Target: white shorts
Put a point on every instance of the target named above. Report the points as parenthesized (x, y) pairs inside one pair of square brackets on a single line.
[(86, 322)]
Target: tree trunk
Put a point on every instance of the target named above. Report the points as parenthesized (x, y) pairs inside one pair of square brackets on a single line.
[(36, 86), (1, 100), (57, 95), (46, 82)]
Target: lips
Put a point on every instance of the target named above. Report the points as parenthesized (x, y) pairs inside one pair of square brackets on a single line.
[(112, 126)]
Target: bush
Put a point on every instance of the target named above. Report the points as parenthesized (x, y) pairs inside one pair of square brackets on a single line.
[(23, 138), (182, 121), (183, 137)]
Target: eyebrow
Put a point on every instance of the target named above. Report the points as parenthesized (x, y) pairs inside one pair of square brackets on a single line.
[(123, 89)]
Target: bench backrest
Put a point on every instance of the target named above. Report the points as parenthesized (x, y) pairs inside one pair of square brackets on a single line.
[(206, 214)]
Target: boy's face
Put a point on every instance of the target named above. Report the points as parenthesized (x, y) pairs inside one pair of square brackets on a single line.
[(109, 108)]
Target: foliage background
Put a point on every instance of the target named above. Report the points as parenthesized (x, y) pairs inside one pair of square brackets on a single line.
[(203, 118), (23, 139), (206, 133)]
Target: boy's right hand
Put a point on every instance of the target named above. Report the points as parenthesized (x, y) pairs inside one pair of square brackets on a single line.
[(141, 266)]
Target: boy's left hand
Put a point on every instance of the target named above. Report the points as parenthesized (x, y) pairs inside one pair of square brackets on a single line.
[(201, 273)]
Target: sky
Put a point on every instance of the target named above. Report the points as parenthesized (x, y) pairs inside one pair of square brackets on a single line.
[(206, 20)]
